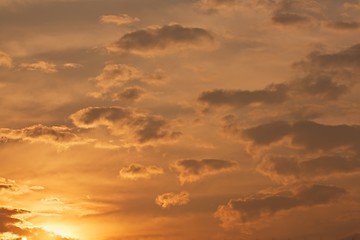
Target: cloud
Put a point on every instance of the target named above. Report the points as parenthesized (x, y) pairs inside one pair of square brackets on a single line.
[(40, 66), (273, 94), (71, 65), (138, 171), (160, 40), (61, 136), (129, 94), (343, 25), (9, 186), (134, 126), (294, 12), (192, 170), (171, 199), (122, 19), (306, 134), (8, 221), (324, 76), (266, 205), (288, 18), (12, 227), (214, 5), (287, 169), (5, 60), (114, 75)]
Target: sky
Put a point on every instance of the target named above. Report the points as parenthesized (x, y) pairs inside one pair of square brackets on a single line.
[(179, 119)]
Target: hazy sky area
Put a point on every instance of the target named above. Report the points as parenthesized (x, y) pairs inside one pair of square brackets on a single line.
[(179, 119)]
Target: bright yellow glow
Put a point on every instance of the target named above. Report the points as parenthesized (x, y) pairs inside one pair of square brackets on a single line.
[(61, 230)]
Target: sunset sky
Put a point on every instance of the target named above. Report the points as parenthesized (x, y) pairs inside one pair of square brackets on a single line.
[(179, 119)]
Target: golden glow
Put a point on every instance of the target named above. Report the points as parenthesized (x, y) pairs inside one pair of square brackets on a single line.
[(61, 230)]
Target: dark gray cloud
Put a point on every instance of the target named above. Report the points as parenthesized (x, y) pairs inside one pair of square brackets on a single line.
[(287, 169), (135, 126), (274, 94), (169, 38), (307, 134), (253, 208), (138, 171), (192, 170)]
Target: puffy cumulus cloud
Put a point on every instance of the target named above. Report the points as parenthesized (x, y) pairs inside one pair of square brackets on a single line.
[(61, 136), (343, 25), (274, 94), (192, 170), (160, 40), (5, 60), (134, 126), (122, 19), (122, 82), (171, 199), (116, 75), (40, 66), (288, 169), (138, 171), (306, 134), (12, 227), (266, 205)]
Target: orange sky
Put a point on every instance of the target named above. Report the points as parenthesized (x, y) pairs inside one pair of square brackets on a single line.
[(179, 119)]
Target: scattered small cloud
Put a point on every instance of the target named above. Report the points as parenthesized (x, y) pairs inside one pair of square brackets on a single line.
[(192, 170), (122, 19), (171, 199), (138, 171), (41, 66)]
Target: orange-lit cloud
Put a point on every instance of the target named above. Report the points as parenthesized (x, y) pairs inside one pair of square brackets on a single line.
[(171, 199), (57, 135), (138, 171), (192, 170), (5, 60), (119, 20), (252, 208), (40, 66), (134, 126)]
